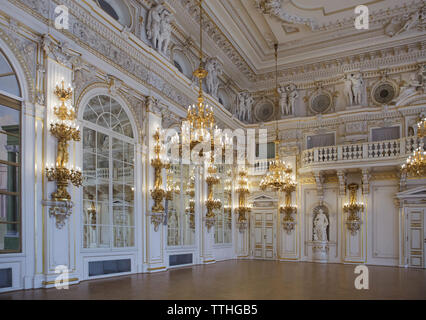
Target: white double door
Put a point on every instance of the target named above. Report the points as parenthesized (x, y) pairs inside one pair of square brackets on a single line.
[(416, 237), (263, 239)]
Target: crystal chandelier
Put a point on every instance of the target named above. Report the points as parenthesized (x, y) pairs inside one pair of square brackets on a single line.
[(421, 126), (199, 123), (416, 163), (278, 175)]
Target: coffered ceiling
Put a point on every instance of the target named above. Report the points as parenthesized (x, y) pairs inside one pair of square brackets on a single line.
[(305, 30)]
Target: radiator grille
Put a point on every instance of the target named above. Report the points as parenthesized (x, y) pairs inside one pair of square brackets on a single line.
[(179, 259), (98, 268)]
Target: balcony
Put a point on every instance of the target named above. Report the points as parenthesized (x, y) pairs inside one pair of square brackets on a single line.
[(367, 154), (378, 153)]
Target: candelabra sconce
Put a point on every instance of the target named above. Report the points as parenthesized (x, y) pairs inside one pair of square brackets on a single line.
[(211, 204), (158, 193), (288, 209), (353, 222), (190, 209), (227, 208), (171, 189), (243, 210), (64, 130)]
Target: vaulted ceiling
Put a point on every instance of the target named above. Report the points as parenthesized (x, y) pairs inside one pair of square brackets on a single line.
[(305, 30)]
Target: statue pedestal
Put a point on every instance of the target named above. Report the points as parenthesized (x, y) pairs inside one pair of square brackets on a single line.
[(320, 251)]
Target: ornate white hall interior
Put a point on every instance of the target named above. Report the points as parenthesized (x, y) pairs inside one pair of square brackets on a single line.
[(215, 149)]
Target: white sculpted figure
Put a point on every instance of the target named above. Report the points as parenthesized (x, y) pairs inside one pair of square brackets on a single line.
[(358, 87), (214, 69), (355, 89), (282, 91), (158, 27), (348, 89), (320, 226), (292, 97), (244, 106), (165, 31)]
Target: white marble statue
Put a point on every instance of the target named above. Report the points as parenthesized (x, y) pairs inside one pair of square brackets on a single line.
[(244, 106), (355, 90), (348, 89), (214, 69), (320, 226), (158, 28), (292, 97), (165, 31), (358, 87), (282, 91)]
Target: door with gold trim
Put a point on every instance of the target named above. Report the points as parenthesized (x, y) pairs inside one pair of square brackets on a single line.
[(263, 236), (416, 238)]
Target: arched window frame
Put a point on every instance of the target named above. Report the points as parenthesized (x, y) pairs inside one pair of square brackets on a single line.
[(113, 135), (13, 103)]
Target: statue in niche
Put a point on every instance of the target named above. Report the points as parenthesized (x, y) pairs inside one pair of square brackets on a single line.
[(158, 28), (348, 89), (355, 89), (244, 106), (358, 86), (288, 96), (214, 69), (320, 225), (165, 31), (292, 97), (282, 91)]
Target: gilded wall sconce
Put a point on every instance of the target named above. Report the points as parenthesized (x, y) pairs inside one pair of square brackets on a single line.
[(353, 208), (64, 130), (190, 209), (243, 209), (288, 209), (211, 203), (158, 193)]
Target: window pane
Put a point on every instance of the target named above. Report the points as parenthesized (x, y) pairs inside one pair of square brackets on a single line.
[(123, 237), (129, 153), (9, 208), (10, 237), (10, 121), (102, 146), (102, 171), (9, 178), (117, 149), (128, 174), (118, 172), (96, 236), (103, 191), (118, 194), (89, 140), (8, 80)]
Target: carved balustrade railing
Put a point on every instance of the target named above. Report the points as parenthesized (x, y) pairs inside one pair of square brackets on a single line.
[(387, 150)]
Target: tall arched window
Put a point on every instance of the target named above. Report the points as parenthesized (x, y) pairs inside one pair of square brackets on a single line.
[(10, 158), (108, 170)]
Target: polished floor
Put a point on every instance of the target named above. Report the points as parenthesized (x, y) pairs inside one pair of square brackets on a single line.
[(244, 279)]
